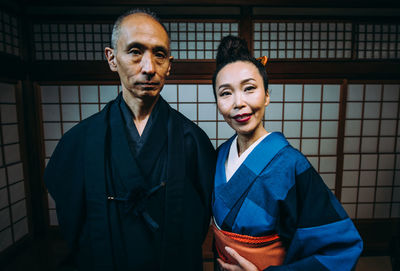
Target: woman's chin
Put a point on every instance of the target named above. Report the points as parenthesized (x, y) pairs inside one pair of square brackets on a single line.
[(245, 132)]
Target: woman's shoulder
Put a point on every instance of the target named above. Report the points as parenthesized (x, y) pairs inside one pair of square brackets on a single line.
[(294, 159)]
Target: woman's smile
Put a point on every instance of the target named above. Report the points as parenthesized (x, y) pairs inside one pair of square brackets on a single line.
[(241, 118)]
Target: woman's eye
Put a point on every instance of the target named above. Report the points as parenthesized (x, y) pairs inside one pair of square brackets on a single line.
[(224, 93), (249, 88)]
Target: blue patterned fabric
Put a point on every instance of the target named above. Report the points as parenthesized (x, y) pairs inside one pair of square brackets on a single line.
[(276, 190)]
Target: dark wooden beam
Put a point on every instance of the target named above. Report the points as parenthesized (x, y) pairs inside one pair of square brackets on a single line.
[(246, 26), (33, 144), (12, 67), (274, 3), (336, 69), (34, 147), (203, 70), (340, 142)]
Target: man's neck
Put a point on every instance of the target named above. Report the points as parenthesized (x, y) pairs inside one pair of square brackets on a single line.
[(141, 109)]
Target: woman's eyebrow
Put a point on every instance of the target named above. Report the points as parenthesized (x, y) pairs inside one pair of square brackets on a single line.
[(244, 81), (224, 86), (247, 80)]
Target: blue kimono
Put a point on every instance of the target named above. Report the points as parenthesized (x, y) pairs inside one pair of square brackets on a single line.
[(276, 190)]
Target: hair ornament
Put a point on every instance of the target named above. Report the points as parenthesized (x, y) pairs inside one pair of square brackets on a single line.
[(263, 60)]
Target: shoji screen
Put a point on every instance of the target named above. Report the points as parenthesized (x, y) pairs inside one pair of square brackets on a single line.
[(13, 199), (326, 40), (297, 39), (9, 38), (308, 115), (197, 39), (371, 180), (71, 41), (378, 41)]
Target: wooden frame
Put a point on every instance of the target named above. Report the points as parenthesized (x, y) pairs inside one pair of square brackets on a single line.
[(34, 73)]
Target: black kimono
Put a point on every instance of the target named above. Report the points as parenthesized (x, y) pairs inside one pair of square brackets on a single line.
[(130, 202)]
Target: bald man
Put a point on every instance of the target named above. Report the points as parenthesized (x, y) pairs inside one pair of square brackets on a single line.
[(132, 183)]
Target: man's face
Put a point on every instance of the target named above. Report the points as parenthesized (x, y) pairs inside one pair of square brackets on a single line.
[(142, 57)]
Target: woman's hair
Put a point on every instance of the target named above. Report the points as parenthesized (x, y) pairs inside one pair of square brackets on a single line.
[(232, 49)]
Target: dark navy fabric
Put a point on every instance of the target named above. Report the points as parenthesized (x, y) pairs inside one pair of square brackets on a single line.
[(288, 197), (135, 140), (93, 162), (145, 170)]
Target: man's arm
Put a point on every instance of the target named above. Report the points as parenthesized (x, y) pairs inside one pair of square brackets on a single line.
[(64, 177)]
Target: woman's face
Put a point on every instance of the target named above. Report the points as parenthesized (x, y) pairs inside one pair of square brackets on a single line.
[(241, 97)]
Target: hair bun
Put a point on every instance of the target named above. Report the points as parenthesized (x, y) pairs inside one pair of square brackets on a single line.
[(230, 49)]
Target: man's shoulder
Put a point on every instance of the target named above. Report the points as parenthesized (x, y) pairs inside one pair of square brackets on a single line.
[(189, 127), (77, 132)]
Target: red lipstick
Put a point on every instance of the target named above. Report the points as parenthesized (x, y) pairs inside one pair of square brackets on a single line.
[(242, 117)]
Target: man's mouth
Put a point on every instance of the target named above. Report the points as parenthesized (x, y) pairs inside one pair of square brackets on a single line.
[(242, 117), (147, 83)]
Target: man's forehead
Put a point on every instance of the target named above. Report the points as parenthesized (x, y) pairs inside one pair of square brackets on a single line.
[(142, 20), (141, 24), (138, 16)]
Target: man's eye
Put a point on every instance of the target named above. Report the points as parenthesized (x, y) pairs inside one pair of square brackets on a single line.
[(160, 55), (134, 52)]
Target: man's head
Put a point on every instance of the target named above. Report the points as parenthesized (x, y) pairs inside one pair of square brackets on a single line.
[(117, 24), (140, 53)]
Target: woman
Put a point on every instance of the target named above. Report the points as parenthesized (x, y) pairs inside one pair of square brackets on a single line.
[(269, 202)]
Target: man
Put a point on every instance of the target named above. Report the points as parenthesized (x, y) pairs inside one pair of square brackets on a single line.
[(132, 183)]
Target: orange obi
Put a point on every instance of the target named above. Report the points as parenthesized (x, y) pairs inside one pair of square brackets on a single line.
[(261, 251)]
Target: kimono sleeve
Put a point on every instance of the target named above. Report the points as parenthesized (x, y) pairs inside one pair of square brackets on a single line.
[(206, 170), (320, 234), (63, 177), (202, 162)]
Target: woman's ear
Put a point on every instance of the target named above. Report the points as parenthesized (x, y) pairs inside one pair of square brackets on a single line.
[(266, 98)]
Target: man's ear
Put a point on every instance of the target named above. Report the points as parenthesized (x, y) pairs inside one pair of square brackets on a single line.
[(171, 58), (109, 52)]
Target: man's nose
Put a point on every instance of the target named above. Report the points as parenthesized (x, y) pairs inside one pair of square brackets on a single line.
[(147, 63)]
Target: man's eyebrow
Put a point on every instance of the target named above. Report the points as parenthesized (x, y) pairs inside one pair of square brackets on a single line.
[(160, 48), (135, 44), (141, 46)]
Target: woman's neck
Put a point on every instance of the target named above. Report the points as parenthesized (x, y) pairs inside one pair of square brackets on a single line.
[(244, 141)]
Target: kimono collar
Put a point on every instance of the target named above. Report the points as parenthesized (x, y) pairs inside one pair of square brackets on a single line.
[(137, 141), (227, 194), (144, 147)]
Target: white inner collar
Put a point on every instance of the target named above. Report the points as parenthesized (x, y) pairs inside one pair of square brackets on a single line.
[(234, 161)]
